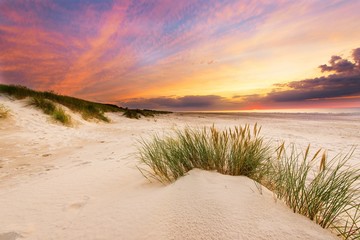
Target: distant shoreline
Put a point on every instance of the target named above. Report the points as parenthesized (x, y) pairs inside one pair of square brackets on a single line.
[(286, 111), (314, 116)]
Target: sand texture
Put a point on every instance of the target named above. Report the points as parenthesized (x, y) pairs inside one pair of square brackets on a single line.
[(82, 182)]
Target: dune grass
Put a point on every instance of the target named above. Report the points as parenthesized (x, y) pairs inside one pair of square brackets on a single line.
[(324, 195), (238, 151), (87, 109), (49, 108), (325, 191), (4, 112)]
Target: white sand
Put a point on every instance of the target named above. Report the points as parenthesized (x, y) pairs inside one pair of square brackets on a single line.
[(82, 183)]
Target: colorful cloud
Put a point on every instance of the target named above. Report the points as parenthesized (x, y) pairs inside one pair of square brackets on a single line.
[(185, 55)]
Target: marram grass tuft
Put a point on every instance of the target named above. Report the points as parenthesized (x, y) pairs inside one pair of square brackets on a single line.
[(238, 151), (327, 194), (49, 108)]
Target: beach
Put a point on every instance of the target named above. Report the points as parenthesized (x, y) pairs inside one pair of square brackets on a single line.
[(83, 182)]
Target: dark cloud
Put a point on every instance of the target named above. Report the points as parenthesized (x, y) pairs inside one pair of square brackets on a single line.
[(356, 56), (338, 65), (318, 88), (251, 98), (191, 102), (185, 103)]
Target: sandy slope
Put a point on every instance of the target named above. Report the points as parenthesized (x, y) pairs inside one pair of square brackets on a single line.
[(82, 183)]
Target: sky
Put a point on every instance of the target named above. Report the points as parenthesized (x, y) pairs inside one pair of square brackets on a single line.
[(186, 55)]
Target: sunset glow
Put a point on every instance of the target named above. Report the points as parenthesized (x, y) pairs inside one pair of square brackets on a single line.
[(186, 55)]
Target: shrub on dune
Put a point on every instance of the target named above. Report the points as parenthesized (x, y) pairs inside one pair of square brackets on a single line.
[(138, 113)]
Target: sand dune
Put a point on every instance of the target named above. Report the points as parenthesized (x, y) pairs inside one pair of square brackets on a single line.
[(82, 182)]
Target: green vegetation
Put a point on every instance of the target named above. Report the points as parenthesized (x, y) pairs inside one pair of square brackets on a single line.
[(49, 108), (234, 152), (4, 112), (137, 113), (88, 110), (328, 194)]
